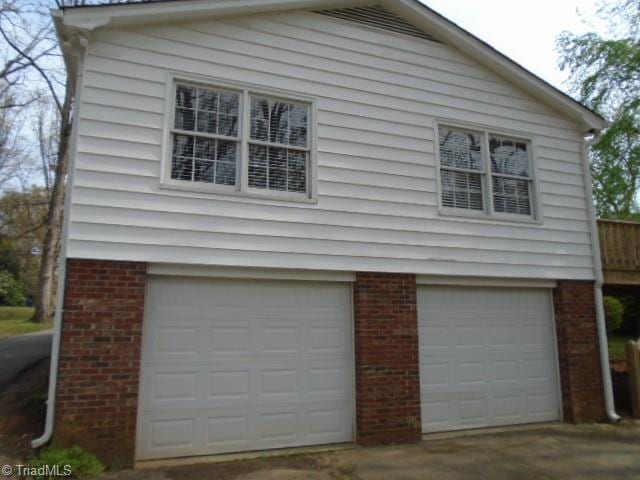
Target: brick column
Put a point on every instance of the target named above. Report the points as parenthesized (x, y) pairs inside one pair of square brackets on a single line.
[(387, 359), (578, 352), (97, 393)]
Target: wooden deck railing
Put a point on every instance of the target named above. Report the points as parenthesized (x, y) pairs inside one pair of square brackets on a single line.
[(620, 251)]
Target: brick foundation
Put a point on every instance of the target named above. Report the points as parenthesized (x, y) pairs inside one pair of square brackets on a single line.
[(97, 392), (578, 351), (387, 359)]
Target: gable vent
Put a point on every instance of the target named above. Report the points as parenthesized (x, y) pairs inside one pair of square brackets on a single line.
[(377, 17)]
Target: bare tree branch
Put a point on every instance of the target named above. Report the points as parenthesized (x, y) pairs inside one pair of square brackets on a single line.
[(34, 64)]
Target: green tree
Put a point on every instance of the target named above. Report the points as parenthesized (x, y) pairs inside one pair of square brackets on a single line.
[(605, 75), (614, 313), (11, 293), (22, 230)]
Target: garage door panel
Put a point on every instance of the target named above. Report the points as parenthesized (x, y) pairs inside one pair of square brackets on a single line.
[(173, 433), (167, 385), (228, 386), (470, 373), (464, 410), (226, 339), (506, 371), (230, 431), (541, 404), (487, 357), (437, 414), (473, 411), (193, 432), (238, 295), (233, 429), (472, 376), (509, 407), (435, 374), (246, 371), (171, 340), (201, 335), (279, 428), (171, 387), (325, 424)]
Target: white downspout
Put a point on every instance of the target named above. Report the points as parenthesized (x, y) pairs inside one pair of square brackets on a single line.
[(595, 246), (62, 260)]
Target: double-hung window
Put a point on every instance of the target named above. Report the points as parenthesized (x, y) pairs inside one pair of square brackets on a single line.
[(485, 174), (205, 140), (278, 145), (511, 179), (225, 139), (461, 169)]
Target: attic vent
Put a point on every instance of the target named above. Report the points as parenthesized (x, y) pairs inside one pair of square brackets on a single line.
[(377, 17)]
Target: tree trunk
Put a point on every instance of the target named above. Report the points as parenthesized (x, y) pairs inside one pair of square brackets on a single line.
[(44, 301)]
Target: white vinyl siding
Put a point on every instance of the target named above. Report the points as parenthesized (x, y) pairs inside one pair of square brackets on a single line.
[(377, 204), (484, 172)]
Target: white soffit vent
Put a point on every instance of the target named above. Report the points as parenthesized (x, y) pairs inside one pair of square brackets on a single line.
[(377, 17)]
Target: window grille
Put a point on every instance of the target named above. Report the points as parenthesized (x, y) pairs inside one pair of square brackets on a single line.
[(485, 172)]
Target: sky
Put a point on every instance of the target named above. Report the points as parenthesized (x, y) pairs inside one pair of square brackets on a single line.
[(525, 31)]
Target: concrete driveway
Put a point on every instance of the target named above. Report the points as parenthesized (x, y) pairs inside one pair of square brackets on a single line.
[(556, 452), (18, 353)]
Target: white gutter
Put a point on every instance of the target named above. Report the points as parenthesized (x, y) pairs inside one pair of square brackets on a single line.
[(62, 258), (597, 261)]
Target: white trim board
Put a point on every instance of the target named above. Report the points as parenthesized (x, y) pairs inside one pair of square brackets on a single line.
[(333, 276), (485, 282), (244, 272)]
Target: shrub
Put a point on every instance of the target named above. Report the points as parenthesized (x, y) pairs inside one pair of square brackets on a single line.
[(614, 313), (631, 321), (79, 464), (11, 293)]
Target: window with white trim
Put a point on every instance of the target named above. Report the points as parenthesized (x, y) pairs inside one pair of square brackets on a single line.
[(205, 140), (511, 179), (278, 145), (221, 136), (485, 173)]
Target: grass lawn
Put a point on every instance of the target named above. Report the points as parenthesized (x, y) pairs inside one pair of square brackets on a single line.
[(617, 345), (15, 321)]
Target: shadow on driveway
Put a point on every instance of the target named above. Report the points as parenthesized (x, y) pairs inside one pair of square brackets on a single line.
[(21, 352), (558, 452)]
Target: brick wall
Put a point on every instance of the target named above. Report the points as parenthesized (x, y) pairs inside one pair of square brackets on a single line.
[(578, 351), (387, 359), (97, 394)]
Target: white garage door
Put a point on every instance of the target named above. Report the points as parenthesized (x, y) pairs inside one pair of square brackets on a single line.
[(487, 357), (237, 365)]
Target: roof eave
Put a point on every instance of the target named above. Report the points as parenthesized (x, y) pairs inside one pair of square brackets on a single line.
[(90, 17), (65, 36)]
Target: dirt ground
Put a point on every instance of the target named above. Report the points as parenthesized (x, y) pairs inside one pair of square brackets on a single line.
[(22, 411)]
